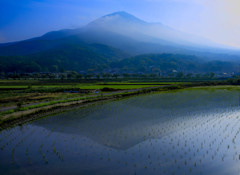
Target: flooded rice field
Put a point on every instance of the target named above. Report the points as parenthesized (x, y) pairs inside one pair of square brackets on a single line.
[(192, 131)]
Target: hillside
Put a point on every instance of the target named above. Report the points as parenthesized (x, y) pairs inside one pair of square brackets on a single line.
[(169, 62), (68, 57), (76, 58)]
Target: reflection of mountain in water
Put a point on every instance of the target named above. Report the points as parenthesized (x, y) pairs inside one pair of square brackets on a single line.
[(125, 123)]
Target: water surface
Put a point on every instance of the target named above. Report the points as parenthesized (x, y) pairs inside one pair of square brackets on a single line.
[(193, 131)]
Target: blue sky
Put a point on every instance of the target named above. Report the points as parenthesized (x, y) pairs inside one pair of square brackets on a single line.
[(213, 19)]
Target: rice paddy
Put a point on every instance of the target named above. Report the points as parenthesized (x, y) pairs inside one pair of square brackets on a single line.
[(190, 131)]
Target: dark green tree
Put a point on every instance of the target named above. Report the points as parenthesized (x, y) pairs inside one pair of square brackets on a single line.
[(180, 75)]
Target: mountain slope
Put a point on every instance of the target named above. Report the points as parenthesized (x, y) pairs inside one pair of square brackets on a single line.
[(168, 62), (69, 57), (76, 58)]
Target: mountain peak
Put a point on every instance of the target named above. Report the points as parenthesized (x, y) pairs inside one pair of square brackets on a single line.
[(120, 13), (124, 15)]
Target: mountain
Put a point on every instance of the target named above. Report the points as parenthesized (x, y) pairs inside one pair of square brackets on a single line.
[(127, 25), (122, 31), (118, 40)]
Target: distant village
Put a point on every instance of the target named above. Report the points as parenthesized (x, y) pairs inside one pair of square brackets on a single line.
[(117, 74)]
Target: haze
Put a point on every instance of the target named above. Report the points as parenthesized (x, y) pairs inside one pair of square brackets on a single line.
[(216, 20)]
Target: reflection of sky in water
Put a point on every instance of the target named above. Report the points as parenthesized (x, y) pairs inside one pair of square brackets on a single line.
[(189, 131)]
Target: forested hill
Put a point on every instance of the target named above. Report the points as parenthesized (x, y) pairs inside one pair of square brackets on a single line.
[(98, 58), (75, 57), (169, 62)]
